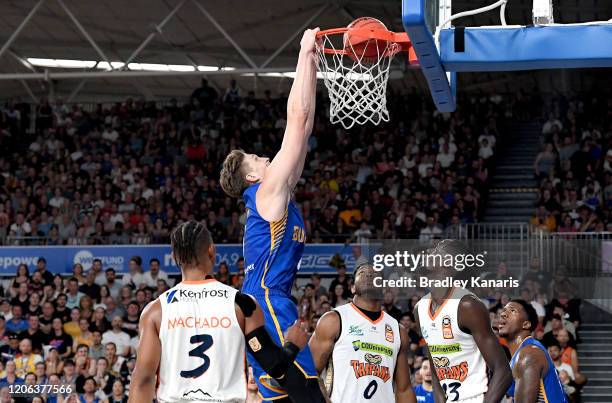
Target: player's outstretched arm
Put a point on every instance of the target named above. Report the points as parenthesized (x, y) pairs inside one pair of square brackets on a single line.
[(438, 392), (323, 339), (285, 169), (530, 365), (473, 316), (401, 378), (142, 386)]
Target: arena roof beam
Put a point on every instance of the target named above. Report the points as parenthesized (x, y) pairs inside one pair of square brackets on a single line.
[(48, 75), (158, 29), (84, 33), (226, 35), (20, 28), (295, 35)]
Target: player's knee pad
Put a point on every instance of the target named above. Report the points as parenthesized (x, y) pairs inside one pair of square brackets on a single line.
[(300, 388)]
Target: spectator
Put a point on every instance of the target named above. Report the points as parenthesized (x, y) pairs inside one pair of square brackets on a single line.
[(555, 354), (45, 319), (96, 349), (26, 360), (22, 297), (342, 279), (130, 321), (115, 361), (17, 324), (34, 334), (41, 267), (100, 277), (85, 337), (338, 298), (59, 340), (9, 351), (424, 391), (150, 277), (90, 287), (73, 295), (389, 305), (118, 393), (72, 327), (10, 375), (134, 277), (117, 336), (61, 309), (113, 285)]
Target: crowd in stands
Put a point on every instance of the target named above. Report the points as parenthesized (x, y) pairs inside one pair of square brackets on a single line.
[(130, 171), (574, 168), (81, 331)]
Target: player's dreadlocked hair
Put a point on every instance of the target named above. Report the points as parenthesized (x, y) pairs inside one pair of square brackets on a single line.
[(188, 241)]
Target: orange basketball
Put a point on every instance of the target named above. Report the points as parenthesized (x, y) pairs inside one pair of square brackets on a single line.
[(359, 47)]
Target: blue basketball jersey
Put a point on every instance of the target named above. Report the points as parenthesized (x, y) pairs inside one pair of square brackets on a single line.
[(272, 250), (422, 395), (550, 385)]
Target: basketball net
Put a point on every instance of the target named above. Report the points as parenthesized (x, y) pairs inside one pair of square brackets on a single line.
[(356, 84)]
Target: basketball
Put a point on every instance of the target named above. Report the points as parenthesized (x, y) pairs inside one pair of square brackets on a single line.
[(360, 47)]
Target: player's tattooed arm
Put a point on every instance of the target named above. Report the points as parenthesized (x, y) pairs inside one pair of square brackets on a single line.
[(323, 339), (274, 192), (473, 318), (401, 378), (142, 386), (438, 392), (530, 365)]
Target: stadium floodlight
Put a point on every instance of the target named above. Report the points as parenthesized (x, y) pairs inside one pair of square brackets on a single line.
[(542, 12)]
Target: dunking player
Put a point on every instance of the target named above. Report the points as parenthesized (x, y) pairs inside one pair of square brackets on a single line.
[(456, 327), (274, 231), (535, 377), (367, 346), (195, 333)]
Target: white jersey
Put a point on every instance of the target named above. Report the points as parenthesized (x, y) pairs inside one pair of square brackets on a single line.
[(460, 367), (364, 357), (203, 349)]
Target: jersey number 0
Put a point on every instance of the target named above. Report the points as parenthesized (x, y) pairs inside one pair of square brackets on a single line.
[(206, 341)]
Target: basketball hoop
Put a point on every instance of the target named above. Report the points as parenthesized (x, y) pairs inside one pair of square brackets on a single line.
[(355, 62)]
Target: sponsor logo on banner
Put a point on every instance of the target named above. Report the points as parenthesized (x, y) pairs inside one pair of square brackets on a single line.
[(85, 258), (389, 333)]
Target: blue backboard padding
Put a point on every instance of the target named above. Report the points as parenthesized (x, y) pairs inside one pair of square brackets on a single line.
[(413, 18), (528, 48)]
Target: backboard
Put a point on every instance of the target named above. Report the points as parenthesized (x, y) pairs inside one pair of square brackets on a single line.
[(444, 50)]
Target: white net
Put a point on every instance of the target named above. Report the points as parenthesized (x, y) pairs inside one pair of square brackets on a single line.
[(357, 84)]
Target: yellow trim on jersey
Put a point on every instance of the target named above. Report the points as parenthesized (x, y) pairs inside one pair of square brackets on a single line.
[(272, 398), (277, 230), (543, 390), (263, 380)]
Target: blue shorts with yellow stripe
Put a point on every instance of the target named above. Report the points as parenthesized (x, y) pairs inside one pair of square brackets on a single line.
[(280, 312)]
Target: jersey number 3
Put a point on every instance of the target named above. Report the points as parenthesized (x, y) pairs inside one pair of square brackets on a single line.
[(206, 341)]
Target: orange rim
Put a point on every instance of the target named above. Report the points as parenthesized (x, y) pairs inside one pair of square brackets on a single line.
[(400, 38)]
